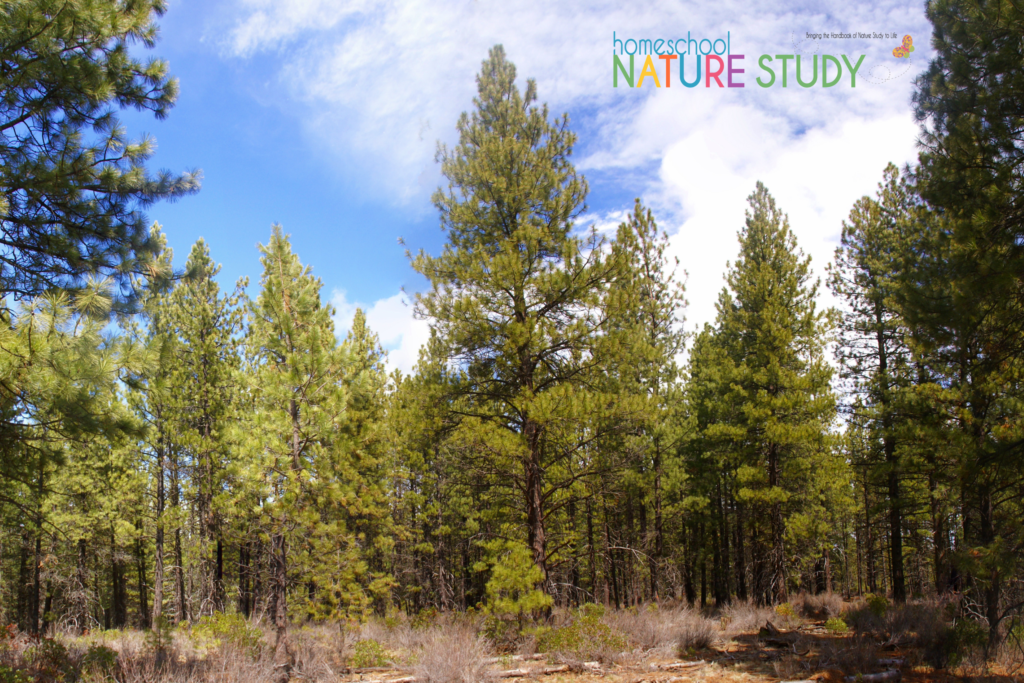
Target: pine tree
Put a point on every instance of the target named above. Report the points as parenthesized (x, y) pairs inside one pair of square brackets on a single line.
[(300, 402), (206, 328), (873, 349), (779, 381), (515, 295), (73, 187), (645, 334)]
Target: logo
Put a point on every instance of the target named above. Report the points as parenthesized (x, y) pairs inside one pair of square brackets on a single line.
[(905, 49)]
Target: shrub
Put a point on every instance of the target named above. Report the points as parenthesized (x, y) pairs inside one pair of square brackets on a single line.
[(850, 655), (821, 606), (863, 619), (878, 604), (743, 617), (98, 661), (585, 638), (912, 622), (230, 629), (836, 625), (785, 610), (451, 654), (1011, 650), (696, 633), (966, 638), (161, 638), (649, 628), (9, 675), (368, 653), (50, 660)]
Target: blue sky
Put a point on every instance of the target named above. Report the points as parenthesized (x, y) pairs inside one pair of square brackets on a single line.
[(324, 115)]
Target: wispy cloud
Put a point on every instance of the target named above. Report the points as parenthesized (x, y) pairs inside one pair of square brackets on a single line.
[(392, 320), (382, 81)]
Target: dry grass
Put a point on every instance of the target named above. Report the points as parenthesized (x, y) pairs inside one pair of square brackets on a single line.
[(696, 632), (822, 606), (451, 653), (648, 629), (856, 655), (744, 617)]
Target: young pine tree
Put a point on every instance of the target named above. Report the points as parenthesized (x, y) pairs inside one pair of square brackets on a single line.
[(780, 391), (299, 401), (873, 351)]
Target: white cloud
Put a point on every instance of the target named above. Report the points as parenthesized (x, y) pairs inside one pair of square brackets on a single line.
[(381, 81), (400, 333)]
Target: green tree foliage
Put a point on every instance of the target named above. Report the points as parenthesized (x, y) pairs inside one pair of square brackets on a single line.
[(300, 404), (72, 185), (963, 290), (778, 390), (204, 330), (873, 349), (515, 295), (971, 102)]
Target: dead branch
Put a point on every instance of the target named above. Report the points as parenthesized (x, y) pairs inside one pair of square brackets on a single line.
[(890, 675)]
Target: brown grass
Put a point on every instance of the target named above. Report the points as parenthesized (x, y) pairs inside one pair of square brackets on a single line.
[(746, 617), (451, 653), (696, 632), (822, 606)]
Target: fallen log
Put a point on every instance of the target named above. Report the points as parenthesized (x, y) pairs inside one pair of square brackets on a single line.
[(675, 666), (513, 658), (895, 661), (403, 679), (546, 671), (890, 675)]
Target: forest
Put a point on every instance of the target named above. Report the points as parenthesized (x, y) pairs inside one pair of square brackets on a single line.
[(178, 456)]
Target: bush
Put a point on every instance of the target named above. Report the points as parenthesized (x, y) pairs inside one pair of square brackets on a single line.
[(585, 638), (836, 626), (908, 622), (451, 654), (425, 618), (368, 653), (863, 619), (232, 629), (696, 633), (854, 656), (647, 628), (785, 610), (966, 638), (878, 604), (821, 606), (743, 617), (9, 675), (49, 660), (98, 661)]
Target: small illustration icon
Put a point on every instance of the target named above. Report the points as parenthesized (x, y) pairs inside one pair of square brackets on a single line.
[(905, 49)]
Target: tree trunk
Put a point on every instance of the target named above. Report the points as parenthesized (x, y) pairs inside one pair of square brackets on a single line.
[(778, 553), (179, 562), (534, 500), (993, 579), (659, 530), (158, 550), (899, 588), (82, 600), (140, 557), (741, 560), (282, 651)]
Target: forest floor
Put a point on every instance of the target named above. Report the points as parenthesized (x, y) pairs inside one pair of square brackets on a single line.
[(820, 640), (809, 652)]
